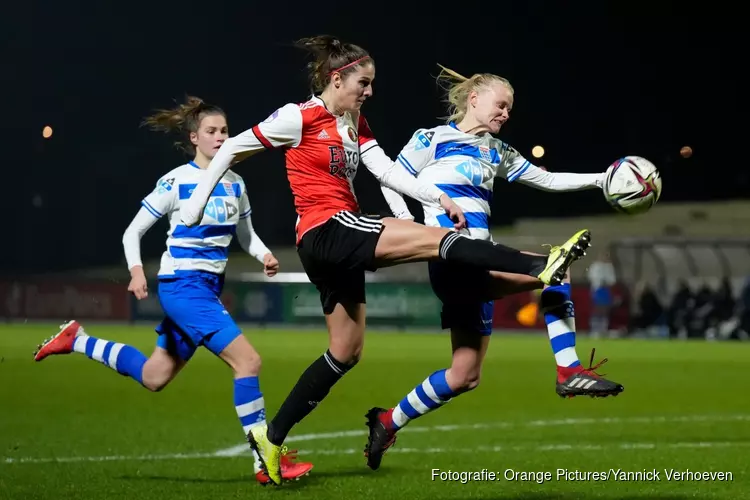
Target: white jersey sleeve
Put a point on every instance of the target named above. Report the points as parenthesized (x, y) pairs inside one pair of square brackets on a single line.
[(163, 199), (282, 128), (414, 157), (131, 238), (396, 203), (418, 151), (160, 202), (515, 167)]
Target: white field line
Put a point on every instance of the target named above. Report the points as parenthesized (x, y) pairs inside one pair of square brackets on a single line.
[(244, 448)]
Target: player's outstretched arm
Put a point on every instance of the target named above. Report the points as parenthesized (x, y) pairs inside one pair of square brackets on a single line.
[(393, 175), (282, 128), (559, 181), (234, 149)]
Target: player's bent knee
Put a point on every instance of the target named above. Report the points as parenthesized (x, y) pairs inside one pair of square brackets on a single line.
[(155, 379), (346, 353), (242, 357), (464, 379)]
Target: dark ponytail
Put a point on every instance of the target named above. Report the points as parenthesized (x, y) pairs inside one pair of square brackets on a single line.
[(331, 55), (184, 119)]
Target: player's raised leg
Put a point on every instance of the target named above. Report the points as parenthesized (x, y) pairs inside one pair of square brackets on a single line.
[(124, 359), (572, 378), (470, 337)]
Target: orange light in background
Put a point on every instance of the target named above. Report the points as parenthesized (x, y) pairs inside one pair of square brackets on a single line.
[(686, 151), (47, 132), (537, 151)]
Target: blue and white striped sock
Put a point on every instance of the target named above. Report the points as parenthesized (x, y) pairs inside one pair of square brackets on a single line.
[(124, 359), (430, 395), (561, 324), (248, 401), (250, 406)]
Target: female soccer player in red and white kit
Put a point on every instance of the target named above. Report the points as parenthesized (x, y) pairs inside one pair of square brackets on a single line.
[(325, 138)]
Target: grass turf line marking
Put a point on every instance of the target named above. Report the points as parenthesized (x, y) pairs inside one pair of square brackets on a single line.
[(245, 449)]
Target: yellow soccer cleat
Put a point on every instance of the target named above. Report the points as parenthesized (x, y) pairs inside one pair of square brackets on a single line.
[(269, 453), (560, 258)]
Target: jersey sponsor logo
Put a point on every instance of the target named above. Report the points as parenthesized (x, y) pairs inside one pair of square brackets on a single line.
[(424, 140), (220, 210), (472, 170), (343, 163), (165, 185)]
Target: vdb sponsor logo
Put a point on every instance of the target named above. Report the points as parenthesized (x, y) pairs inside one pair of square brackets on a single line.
[(60, 301)]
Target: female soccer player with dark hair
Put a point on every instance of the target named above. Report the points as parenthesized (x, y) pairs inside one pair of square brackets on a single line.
[(325, 138)]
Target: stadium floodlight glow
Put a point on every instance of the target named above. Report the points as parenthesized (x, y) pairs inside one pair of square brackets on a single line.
[(47, 132), (537, 151)]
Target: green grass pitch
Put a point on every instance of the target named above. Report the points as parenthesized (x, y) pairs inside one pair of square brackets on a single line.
[(73, 429)]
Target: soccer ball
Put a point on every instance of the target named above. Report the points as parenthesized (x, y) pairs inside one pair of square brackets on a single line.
[(632, 185)]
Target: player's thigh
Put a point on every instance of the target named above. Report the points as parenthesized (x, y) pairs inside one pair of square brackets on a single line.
[(161, 368), (404, 241), (342, 295)]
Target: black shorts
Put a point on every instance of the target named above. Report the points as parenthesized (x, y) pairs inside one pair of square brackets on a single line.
[(462, 290), (336, 255)]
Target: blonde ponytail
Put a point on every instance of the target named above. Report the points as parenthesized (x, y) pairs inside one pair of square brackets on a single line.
[(458, 88)]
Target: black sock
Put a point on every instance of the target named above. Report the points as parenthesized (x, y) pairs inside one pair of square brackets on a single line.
[(312, 386), (490, 256)]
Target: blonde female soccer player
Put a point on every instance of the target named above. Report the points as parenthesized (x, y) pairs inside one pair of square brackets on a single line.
[(463, 159)]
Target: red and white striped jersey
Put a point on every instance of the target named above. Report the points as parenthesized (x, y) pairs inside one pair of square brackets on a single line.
[(321, 160), (323, 152)]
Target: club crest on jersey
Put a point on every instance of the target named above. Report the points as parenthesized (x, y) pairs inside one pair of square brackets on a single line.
[(228, 188), (485, 153), (352, 134), (165, 185)]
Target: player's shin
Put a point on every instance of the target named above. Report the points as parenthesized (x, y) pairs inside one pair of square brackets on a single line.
[(487, 255), (311, 388), (428, 396), (250, 406), (559, 316), (124, 359)]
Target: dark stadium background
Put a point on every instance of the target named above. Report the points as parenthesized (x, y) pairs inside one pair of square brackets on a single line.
[(594, 81)]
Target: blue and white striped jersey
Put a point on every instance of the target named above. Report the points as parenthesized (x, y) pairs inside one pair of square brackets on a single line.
[(464, 167), (204, 247)]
